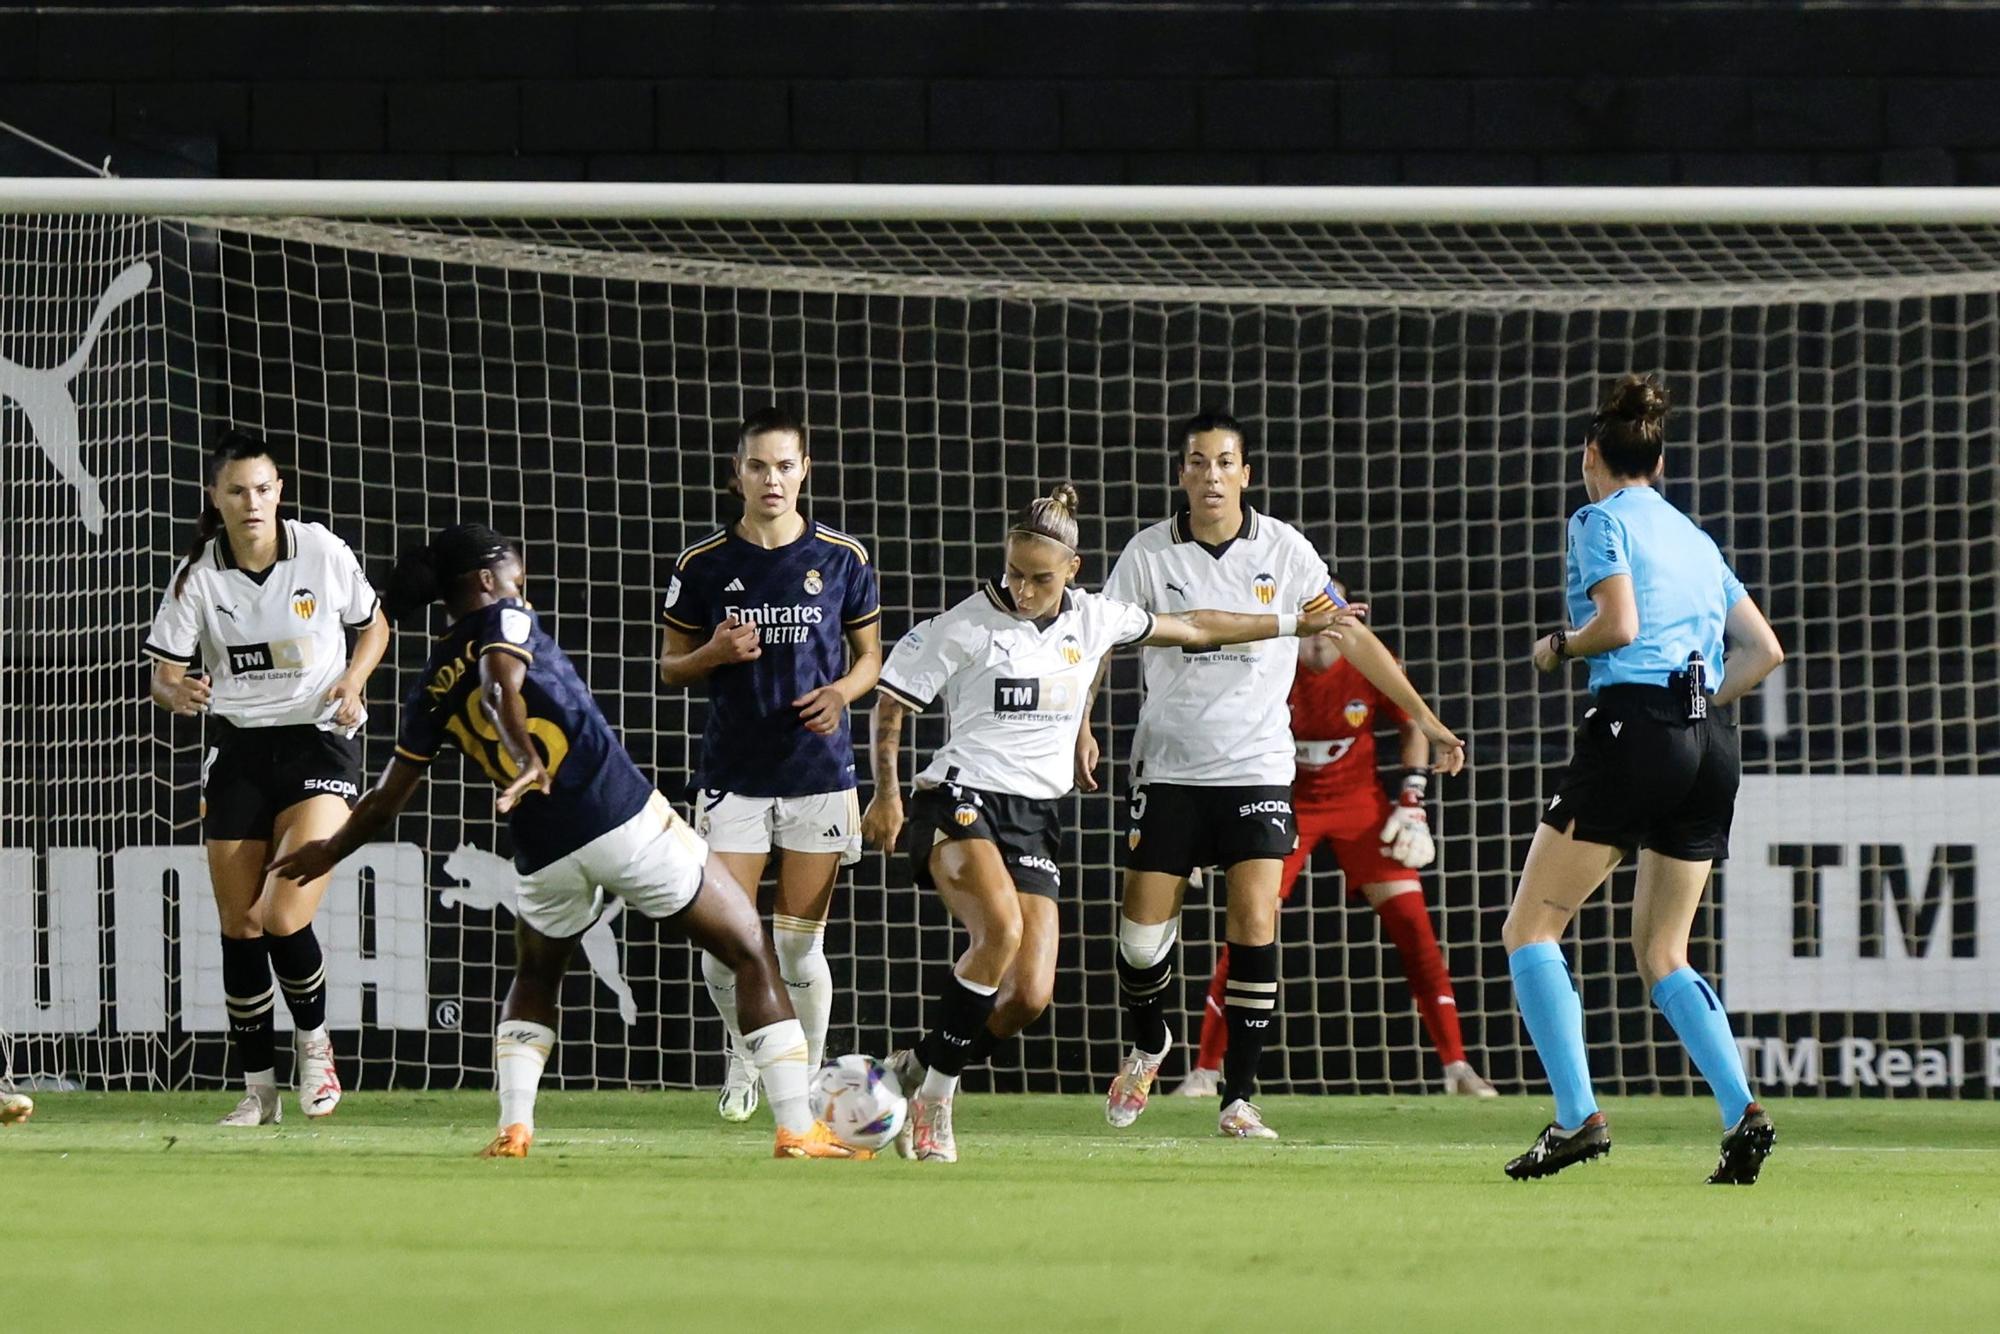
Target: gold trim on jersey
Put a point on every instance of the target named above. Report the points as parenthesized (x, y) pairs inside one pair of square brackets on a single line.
[(404, 753), (840, 539), (502, 646), (862, 622), (708, 543), (679, 625)]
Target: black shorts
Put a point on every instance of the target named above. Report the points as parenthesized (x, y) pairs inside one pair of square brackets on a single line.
[(1645, 776), (252, 773), (1027, 830), (1172, 828)]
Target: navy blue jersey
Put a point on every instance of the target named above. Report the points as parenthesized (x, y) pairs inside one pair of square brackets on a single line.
[(596, 787), (804, 597)]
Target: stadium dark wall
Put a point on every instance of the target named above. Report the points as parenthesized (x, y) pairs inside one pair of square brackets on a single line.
[(1211, 94)]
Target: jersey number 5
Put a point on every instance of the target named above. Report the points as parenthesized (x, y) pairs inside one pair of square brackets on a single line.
[(475, 733)]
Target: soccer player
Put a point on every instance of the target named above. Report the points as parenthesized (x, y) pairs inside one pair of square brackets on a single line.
[(253, 635), (582, 817), (1338, 800), (1656, 767), (1013, 664), (777, 615), (1212, 762)]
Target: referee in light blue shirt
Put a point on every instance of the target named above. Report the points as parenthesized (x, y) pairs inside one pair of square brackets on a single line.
[(1655, 768)]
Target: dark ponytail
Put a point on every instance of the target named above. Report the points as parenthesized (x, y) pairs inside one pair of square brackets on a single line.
[(235, 445), (424, 574), (1631, 428)]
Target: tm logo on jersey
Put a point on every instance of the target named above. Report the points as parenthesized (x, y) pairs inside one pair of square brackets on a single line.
[(288, 655), (1266, 589), (1033, 699)]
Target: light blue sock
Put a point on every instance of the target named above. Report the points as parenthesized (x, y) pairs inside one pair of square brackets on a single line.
[(1548, 1001), (1703, 1028)]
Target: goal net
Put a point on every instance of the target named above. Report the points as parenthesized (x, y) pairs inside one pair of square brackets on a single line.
[(1414, 390)]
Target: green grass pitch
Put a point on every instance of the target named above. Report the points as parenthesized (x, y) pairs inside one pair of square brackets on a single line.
[(642, 1211)]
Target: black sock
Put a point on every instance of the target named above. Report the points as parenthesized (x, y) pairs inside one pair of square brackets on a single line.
[(301, 971), (981, 1050), (961, 1020), (1250, 1007), (1144, 991), (248, 995)]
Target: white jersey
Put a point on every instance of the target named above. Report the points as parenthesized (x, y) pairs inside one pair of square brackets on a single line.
[(1013, 689), (274, 642), (1219, 717)]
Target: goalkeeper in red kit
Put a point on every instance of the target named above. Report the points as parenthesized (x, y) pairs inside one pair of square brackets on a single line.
[(1380, 844)]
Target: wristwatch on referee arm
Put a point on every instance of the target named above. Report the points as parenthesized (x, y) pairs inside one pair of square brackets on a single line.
[(1408, 831)]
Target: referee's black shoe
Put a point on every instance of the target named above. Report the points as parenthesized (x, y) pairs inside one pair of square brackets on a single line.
[(1745, 1146), (1555, 1148)]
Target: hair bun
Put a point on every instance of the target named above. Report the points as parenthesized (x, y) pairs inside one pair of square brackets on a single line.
[(1639, 399), (1065, 496)]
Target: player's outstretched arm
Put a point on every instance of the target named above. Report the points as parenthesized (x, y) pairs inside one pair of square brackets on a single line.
[(176, 691), (349, 694), (1372, 658), (685, 659), (1615, 625), (882, 822), (1213, 629), (1754, 651), (1087, 752), (376, 811), (501, 676)]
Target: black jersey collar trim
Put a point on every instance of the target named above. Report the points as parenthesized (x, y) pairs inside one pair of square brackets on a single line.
[(225, 554), (997, 594), (1245, 532)]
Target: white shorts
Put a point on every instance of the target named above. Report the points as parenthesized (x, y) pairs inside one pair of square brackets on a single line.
[(653, 862), (822, 822)]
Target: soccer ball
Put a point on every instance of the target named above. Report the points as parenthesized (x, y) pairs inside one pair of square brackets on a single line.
[(857, 1099)]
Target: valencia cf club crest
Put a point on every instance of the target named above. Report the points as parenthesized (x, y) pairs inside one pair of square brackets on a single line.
[(1356, 712), (814, 584), (1072, 650), (964, 814), (304, 604), (1266, 589)]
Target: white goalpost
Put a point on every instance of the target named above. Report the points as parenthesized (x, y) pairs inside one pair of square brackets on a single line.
[(1414, 366)]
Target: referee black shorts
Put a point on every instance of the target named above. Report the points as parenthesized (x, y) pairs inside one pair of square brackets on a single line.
[(1646, 776), (1173, 828), (1027, 830), (252, 773)]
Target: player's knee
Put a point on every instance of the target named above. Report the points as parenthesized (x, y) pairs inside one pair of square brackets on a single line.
[(1144, 944), (1658, 959), (1517, 930), (1023, 1007)]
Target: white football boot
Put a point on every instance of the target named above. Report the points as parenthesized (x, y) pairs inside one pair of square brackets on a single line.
[(1200, 1083), (260, 1107), (319, 1082), (1242, 1120), (1133, 1084), (1461, 1078), (739, 1097)]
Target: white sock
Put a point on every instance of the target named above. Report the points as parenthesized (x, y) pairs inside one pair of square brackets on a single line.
[(802, 963), (520, 1051), (779, 1053), (721, 983), (261, 1081), (303, 1036), (938, 1086)]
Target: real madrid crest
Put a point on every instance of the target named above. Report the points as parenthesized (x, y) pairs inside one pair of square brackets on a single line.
[(814, 584), (1266, 589), (1356, 712), (304, 603)]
